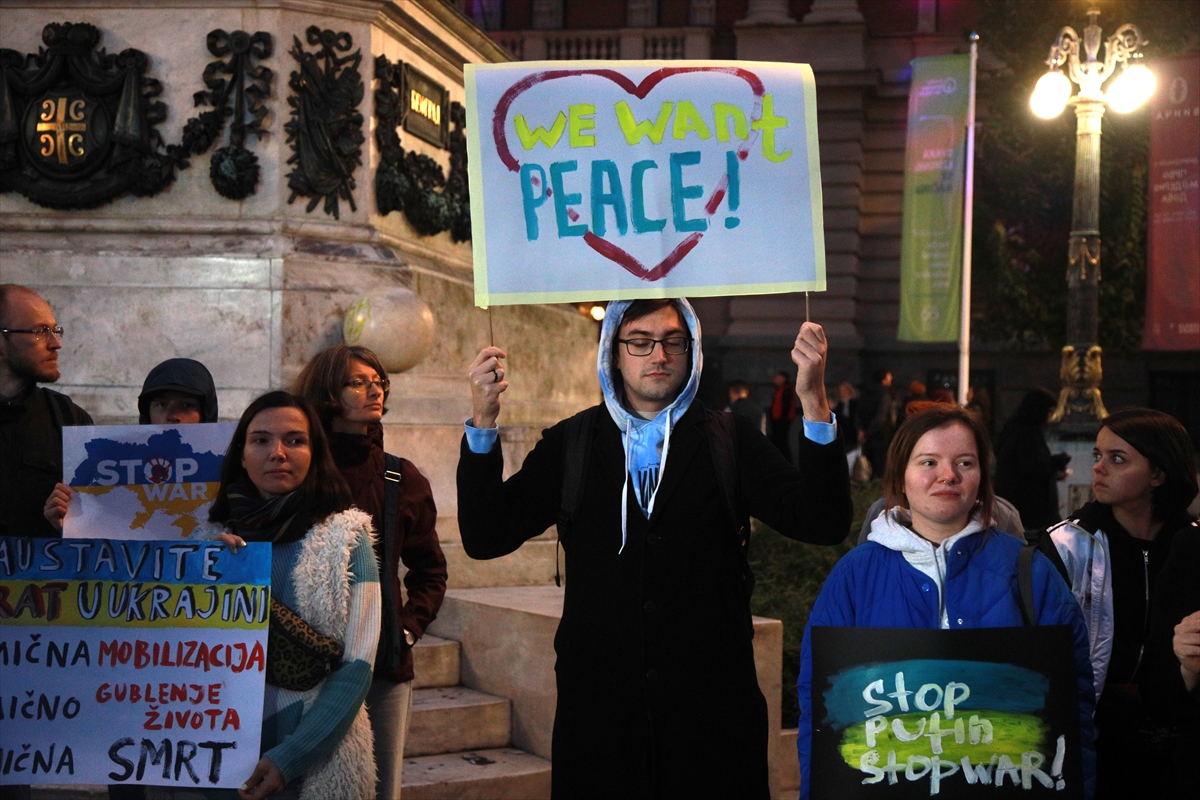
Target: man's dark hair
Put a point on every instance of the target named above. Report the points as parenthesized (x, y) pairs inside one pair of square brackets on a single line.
[(1165, 444), (644, 308), (879, 374), (637, 310), (324, 487), (938, 415)]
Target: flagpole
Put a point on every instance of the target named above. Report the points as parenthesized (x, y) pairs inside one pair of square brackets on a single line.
[(964, 327)]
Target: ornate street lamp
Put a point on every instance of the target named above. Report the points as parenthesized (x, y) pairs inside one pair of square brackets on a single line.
[(1079, 404)]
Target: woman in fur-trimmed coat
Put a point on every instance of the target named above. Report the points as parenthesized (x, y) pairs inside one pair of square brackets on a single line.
[(279, 485)]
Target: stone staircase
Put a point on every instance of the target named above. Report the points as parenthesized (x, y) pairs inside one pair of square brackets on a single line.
[(459, 737)]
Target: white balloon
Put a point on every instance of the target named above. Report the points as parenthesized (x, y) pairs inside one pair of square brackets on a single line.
[(394, 323)]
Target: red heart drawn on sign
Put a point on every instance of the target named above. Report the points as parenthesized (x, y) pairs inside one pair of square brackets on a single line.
[(611, 251)]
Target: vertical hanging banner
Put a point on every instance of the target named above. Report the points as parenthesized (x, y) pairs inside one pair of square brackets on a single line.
[(932, 238), (603, 180), (131, 662), (1173, 265), (988, 712), (142, 481)]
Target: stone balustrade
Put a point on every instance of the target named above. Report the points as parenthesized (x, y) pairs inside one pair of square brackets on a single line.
[(607, 45)]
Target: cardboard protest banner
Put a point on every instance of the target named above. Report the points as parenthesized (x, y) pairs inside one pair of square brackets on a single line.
[(932, 231), (131, 662), (605, 180), (142, 481), (991, 712)]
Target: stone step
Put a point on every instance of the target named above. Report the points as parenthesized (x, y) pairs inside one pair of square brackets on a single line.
[(500, 774), (450, 719), (435, 662)]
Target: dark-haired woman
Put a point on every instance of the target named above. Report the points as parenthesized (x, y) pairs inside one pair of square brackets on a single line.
[(933, 560), (348, 385), (1112, 549), (279, 485)]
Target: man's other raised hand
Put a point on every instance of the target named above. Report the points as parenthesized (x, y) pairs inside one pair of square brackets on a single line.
[(809, 356), (486, 376)]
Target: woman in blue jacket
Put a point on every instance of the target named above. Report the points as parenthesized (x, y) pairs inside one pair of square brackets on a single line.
[(933, 560)]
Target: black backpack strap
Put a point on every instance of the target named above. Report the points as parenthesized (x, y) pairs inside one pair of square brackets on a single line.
[(574, 469), (1042, 540), (1025, 583), (387, 538)]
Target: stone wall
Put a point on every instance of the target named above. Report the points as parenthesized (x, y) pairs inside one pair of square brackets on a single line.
[(254, 288)]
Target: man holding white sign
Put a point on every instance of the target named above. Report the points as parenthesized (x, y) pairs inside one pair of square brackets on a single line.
[(657, 692)]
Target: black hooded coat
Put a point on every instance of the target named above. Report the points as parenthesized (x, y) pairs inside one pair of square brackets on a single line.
[(180, 375), (1026, 472)]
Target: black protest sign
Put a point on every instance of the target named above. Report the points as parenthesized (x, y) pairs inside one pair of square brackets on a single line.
[(900, 713)]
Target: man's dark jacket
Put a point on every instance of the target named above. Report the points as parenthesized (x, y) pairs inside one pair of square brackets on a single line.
[(31, 458), (657, 693)]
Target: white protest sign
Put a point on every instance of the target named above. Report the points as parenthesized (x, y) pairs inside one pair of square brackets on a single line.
[(604, 180), (131, 662), (142, 481)]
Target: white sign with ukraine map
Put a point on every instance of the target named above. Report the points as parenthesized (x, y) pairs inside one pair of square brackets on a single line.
[(142, 481)]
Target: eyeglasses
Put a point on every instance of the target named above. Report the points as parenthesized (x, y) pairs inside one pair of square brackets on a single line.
[(359, 386), (38, 333), (673, 346)]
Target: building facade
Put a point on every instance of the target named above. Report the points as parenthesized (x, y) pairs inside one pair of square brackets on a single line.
[(860, 52)]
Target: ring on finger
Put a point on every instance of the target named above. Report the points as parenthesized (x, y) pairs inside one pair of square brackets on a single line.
[(495, 376)]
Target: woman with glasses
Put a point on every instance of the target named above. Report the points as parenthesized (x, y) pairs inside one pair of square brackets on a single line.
[(349, 387)]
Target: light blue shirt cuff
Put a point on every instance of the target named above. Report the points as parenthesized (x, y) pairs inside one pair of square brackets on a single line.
[(481, 440), (819, 432)]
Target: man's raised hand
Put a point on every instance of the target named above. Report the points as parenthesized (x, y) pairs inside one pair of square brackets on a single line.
[(486, 376), (809, 356)]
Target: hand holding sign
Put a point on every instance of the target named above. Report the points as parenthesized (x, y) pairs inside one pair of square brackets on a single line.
[(809, 355), (55, 510), (486, 375), (266, 779)]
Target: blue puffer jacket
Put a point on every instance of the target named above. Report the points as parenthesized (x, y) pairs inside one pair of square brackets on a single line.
[(876, 585)]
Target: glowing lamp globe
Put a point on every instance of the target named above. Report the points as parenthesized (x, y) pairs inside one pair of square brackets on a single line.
[(395, 324), (1051, 94), (1132, 87)]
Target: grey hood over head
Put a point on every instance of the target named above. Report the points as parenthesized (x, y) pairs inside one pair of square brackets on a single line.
[(184, 375), (646, 442)]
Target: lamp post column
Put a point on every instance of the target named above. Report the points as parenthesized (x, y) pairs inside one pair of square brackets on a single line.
[(1080, 406)]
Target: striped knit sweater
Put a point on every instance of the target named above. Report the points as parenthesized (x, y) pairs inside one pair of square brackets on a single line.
[(331, 579)]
